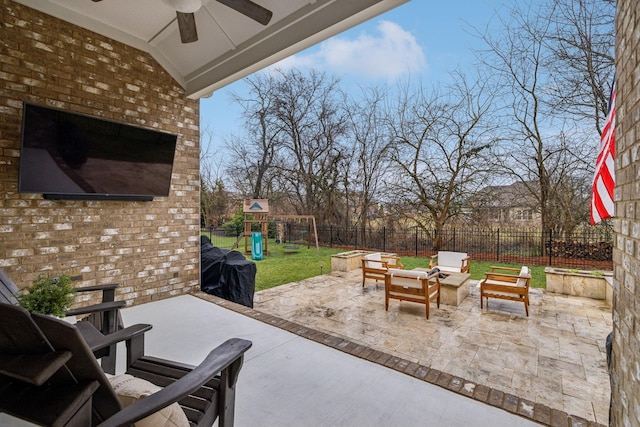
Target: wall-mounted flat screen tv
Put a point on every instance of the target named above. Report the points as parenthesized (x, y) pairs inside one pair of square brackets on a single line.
[(72, 156)]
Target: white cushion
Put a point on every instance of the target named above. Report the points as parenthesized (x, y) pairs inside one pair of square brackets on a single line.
[(373, 260), (446, 269), (407, 278), (451, 259), (129, 389), (524, 271)]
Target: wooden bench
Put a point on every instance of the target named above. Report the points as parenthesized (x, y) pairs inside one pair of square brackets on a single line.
[(508, 284)]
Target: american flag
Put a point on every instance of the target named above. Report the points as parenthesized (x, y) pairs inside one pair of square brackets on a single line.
[(604, 180)]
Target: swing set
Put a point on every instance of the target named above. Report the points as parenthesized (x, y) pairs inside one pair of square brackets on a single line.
[(256, 211)]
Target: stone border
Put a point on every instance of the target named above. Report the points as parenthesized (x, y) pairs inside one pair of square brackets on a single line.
[(525, 408)]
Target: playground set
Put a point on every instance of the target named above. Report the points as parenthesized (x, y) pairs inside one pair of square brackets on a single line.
[(256, 211)]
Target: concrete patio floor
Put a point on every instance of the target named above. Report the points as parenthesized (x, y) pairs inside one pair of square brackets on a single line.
[(288, 380), (555, 357)]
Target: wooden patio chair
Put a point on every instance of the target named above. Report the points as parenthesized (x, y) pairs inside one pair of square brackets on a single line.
[(105, 316), (506, 283), (375, 266), (49, 376), (411, 285)]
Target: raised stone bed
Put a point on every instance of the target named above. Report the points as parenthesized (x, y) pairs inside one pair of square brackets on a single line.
[(351, 260), (347, 261), (583, 283)]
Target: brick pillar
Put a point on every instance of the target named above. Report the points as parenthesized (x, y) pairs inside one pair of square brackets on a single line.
[(625, 390)]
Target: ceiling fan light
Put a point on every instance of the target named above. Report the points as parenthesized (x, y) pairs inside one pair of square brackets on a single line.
[(184, 6)]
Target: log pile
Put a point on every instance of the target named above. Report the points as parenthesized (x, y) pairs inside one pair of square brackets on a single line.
[(596, 251)]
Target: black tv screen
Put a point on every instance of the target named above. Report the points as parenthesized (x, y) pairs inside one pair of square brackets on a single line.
[(68, 155)]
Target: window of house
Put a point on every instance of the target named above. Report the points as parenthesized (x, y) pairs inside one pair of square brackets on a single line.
[(523, 215)]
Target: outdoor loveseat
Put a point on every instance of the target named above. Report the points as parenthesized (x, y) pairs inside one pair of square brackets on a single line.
[(451, 262)]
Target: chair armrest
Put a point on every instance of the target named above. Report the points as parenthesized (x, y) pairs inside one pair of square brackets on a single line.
[(97, 341), (497, 268), (97, 308), (33, 368), (507, 279), (433, 261), (108, 287), (465, 265), (227, 355)]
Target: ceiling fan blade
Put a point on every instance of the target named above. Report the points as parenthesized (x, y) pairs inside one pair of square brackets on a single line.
[(249, 9), (187, 27)]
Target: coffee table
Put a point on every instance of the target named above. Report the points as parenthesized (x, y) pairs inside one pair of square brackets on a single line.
[(454, 288)]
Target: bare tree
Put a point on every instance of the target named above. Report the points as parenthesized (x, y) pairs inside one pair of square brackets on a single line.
[(370, 156), (255, 151), (311, 121), (549, 68), (438, 141), (212, 202), (582, 42)]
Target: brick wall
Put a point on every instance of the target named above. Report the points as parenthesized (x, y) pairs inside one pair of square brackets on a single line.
[(626, 308), (150, 248)]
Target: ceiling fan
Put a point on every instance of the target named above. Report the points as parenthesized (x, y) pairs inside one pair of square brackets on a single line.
[(185, 12)]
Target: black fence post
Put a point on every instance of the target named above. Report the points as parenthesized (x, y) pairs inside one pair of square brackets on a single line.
[(331, 236), (454, 240), (384, 239), (355, 238), (498, 246), (416, 240), (549, 249)]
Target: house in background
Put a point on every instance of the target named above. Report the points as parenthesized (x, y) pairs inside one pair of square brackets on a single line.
[(505, 205)]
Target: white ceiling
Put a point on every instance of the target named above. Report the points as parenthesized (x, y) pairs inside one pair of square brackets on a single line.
[(230, 46)]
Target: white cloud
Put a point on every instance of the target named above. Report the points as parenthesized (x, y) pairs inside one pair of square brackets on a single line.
[(389, 54)]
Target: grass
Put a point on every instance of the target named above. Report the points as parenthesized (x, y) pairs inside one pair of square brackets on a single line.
[(285, 266)]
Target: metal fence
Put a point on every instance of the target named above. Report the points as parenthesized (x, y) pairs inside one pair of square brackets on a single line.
[(588, 248)]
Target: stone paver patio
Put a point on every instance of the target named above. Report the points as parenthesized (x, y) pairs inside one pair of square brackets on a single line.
[(555, 357)]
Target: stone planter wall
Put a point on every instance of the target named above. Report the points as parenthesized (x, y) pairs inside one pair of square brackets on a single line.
[(581, 283), (347, 261), (351, 260)]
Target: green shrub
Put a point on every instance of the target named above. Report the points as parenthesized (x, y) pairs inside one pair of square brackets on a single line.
[(48, 295)]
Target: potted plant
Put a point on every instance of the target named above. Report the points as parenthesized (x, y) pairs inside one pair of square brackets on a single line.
[(48, 295)]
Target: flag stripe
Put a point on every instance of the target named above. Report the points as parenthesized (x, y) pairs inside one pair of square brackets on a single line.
[(604, 181)]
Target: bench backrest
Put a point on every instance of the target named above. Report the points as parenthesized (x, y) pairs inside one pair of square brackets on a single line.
[(407, 278), (451, 259), (524, 272), (373, 260)]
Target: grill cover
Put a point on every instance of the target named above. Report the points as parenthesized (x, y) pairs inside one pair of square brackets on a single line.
[(226, 273)]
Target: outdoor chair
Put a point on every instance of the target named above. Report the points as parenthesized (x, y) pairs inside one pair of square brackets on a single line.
[(410, 285), (451, 262), (105, 316), (375, 266), (49, 376), (507, 284)]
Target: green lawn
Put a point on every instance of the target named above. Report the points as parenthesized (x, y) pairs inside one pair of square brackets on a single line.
[(285, 266)]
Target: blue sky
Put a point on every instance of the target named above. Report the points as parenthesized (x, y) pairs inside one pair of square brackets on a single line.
[(418, 40)]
